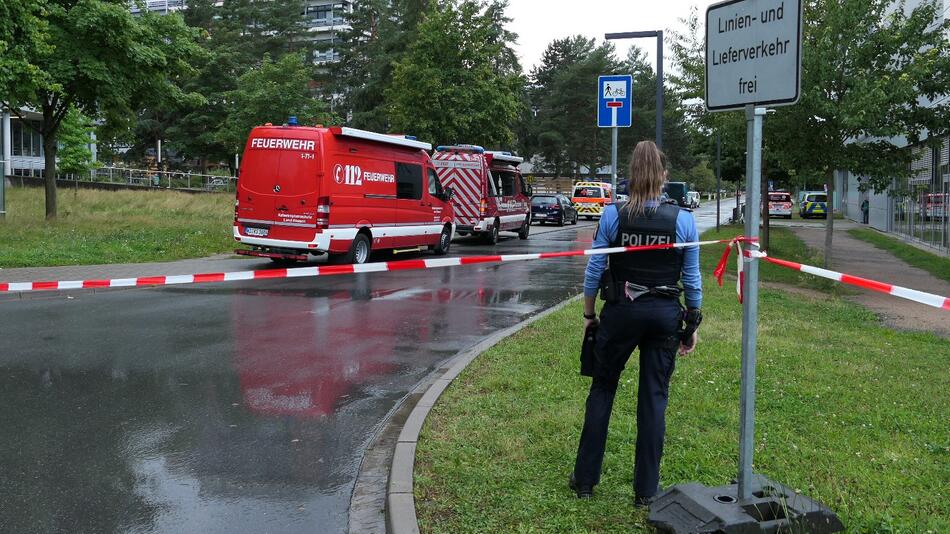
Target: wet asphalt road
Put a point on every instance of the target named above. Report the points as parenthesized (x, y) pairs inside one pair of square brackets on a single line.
[(239, 407)]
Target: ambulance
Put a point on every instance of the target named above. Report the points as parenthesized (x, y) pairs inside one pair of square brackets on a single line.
[(491, 196), (338, 191), (590, 198)]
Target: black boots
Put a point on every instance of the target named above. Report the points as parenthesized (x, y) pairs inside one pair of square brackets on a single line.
[(583, 492)]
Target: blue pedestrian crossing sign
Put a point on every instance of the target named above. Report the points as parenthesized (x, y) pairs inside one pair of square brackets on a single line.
[(615, 101)]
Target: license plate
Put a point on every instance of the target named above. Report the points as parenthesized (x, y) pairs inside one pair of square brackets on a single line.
[(540, 216), (256, 232)]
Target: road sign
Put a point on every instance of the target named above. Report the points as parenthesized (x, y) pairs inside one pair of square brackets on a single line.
[(753, 53), (615, 101)]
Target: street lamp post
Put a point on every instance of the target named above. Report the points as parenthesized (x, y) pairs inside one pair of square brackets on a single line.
[(659, 73)]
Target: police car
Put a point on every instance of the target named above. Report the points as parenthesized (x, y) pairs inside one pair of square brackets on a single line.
[(813, 204)]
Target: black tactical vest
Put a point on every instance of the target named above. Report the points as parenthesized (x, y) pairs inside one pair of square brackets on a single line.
[(649, 268)]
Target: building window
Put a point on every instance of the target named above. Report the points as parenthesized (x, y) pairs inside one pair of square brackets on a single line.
[(26, 141), (319, 12)]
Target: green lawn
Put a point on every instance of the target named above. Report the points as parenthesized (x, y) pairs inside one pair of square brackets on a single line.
[(848, 411), (938, 266), (114, 227)]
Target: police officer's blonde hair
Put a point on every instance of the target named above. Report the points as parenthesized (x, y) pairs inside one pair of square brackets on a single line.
[(646, 177)]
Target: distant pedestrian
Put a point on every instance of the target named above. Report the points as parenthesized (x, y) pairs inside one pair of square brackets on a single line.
[(642, 310), (865, 209)]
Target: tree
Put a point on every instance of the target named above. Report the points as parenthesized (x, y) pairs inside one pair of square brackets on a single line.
[(868, 72), (24, 34), (75, 135), (270, 93), (236, 36), (379, 36), (687, 86), (459, 82), (562, 89), (676, 139), (101, 60)]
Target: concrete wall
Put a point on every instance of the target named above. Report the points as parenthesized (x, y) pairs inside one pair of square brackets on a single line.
[(879, 212)]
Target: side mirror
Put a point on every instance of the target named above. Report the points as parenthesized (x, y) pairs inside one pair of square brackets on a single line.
[(530, 191), (447, 194)]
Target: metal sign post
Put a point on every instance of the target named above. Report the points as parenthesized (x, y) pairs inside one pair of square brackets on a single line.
[(718, 180), (753, 59), (750, 300), (614, 110)]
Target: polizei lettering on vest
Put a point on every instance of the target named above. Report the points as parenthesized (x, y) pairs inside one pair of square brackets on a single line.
[(643, 240), (273, 143)]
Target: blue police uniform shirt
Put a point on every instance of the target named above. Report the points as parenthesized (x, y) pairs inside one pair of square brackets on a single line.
[(685, 233)]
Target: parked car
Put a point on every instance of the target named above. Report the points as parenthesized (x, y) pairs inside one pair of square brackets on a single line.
[(814, 204), (676, 191), (692, 199), (490, 194), (341, 191), (935, 206), (556, 209), (780, 204)]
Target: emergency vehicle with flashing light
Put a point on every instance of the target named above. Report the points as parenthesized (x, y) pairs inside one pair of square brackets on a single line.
[(780, 204), (490, 194), (340, 191), (590, 198)]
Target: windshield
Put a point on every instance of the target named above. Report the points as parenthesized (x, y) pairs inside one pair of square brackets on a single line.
[(816, 198), (780, 198), (589, 192), (675, 189), (542, 201)]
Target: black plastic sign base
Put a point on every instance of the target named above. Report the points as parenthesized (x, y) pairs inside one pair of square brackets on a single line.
[(773, 508)]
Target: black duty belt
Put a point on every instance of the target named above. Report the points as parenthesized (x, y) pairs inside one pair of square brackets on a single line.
[(635, 291)]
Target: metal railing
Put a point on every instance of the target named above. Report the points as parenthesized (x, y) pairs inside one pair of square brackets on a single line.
[(922, 211), (154, 179)]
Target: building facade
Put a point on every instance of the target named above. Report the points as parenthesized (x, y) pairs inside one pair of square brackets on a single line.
[(915, 207), (324, 20)]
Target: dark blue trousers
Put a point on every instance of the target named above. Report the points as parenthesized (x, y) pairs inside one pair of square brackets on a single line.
[(649, 323)]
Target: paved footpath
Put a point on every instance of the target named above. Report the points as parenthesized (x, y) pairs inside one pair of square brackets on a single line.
[(860, 258)]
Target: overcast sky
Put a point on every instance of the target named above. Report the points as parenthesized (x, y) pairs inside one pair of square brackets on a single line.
[(538, 22)]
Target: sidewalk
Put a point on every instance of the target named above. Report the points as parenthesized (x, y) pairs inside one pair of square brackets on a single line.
[(218, 263), (853, 256)]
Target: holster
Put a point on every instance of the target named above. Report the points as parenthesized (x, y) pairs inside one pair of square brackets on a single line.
[(610, 290)]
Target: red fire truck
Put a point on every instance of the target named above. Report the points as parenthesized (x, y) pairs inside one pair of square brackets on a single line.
[(341, 191), (490, 193)]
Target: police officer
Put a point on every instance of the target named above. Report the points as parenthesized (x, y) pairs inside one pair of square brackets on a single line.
[(642, 310)]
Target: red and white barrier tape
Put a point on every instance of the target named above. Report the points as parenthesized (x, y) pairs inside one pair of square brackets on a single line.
[(929, 299), (921, 297), (898, 291), (329, 270)]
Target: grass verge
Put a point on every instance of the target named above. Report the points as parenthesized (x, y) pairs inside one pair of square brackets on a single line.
[(113, 227), (938, 266), (848, 411)]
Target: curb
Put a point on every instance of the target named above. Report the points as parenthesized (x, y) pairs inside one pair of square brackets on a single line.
[(400, 502)]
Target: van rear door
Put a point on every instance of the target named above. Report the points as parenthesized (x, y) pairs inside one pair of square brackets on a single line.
[(297, 188), (465, 174), (278, 187)]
